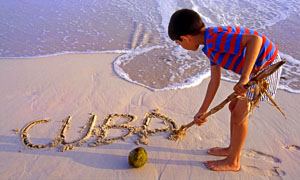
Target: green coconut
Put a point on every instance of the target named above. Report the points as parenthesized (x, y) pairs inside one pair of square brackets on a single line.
[(137, 157)]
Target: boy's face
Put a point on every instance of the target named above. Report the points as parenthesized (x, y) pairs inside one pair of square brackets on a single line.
[(188, 42)]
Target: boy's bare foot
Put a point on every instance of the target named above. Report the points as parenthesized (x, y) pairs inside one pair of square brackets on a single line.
[(218, 151), (222, 165)]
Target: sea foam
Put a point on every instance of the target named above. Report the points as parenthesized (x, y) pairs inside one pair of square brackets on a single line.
[(138, 31)]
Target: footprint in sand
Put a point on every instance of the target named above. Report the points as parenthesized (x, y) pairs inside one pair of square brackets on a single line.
[(292, 148), (274, 172), (259, 155)]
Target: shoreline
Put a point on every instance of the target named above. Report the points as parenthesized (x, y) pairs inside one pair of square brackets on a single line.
[(192, 82)]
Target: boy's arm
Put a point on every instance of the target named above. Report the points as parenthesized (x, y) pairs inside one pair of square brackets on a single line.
[(253, 44), (210, 93)]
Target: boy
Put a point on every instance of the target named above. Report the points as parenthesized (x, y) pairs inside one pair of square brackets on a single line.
[(234, 48)]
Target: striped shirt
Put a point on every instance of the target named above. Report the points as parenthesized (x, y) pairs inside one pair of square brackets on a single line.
[(223, 47)]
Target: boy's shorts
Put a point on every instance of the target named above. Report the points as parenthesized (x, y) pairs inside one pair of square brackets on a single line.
[(273, 80)]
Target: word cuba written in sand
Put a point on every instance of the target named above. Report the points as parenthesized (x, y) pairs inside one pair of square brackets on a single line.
[(100, 133)]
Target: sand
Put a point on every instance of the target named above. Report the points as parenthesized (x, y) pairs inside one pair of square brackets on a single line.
[(55, 87)]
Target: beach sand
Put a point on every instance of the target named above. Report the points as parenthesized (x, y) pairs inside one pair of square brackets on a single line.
[(55, 87)]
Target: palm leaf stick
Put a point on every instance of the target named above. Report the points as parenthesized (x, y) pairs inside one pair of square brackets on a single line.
[(183, 128), (275, 104)]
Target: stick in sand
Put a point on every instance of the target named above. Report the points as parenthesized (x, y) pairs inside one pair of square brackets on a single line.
[(257, 77)]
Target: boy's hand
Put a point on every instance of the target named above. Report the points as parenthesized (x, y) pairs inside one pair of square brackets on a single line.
[(198, 120), (239, 88)]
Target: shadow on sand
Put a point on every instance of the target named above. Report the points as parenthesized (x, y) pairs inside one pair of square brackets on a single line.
[(99, 159)]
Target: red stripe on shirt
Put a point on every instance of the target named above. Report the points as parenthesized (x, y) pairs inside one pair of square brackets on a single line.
[(216, 57), (232, 44), (208, 53), (270, 47), (229, 29), (220, 29), (238, 29), (210, 31), (238, 69), (241, 47), (233, 62), (225, 59), (272, 58), (223, 41), (212, 40), (264, 38), (246, 31)]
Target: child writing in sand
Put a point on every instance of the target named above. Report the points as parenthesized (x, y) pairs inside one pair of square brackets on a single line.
[(238, 49)]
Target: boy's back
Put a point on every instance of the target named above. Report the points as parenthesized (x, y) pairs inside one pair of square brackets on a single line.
[(223, 47)]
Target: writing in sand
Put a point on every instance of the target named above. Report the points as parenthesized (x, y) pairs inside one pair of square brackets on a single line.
[(100, 133)]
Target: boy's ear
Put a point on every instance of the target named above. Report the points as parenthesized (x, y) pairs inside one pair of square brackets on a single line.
[(184, 38)]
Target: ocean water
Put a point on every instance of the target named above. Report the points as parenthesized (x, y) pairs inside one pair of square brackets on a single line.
[(138, 30)]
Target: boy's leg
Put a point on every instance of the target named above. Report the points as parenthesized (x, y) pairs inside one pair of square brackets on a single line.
[(239, 117), (224, 151)]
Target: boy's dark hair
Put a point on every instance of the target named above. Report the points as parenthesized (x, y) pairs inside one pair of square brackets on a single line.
[(184, 22)]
